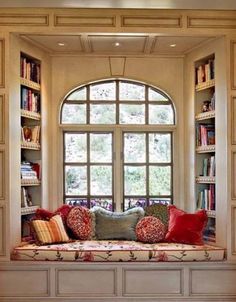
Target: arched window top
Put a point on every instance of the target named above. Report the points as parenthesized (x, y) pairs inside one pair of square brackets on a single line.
[(117, 102)]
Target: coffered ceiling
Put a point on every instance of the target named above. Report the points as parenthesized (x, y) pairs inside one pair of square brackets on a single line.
[(128, 44)]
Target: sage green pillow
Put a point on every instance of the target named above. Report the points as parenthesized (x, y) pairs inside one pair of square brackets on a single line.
[(111, 225)]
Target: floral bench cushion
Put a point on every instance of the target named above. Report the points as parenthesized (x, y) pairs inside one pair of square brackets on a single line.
[(117, 250)]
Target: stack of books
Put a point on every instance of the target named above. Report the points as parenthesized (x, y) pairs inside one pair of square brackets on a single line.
[(27, 171)]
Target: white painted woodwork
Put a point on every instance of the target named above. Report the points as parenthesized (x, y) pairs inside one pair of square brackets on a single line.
[(2, 230), (212, 282), (117, 66), (2, 119), (141, 282), (86, 282), (24, 283), (2, 174)]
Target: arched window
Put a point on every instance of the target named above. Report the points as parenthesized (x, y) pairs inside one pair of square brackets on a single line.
[(118, 150)]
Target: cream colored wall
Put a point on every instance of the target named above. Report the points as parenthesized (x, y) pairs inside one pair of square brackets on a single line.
[(218, 47), (70, 72)]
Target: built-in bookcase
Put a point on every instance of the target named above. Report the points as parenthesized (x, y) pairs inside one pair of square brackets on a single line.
[(30, 108), (205, 172)]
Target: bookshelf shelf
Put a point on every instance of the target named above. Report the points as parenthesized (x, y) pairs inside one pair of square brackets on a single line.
[(30, 115), (205, 115), (205, 149), (30, 146), (205, 85), (205, 179), (30, 84), (30, 182), (29, 210)]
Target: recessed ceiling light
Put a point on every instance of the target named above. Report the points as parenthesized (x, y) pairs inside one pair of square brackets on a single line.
[(116, 44), (61, 44), (172, 45)]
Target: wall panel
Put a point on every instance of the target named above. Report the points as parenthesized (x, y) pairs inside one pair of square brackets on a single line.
[(2, 63), (2, 231), (2, 174), (2, 119)]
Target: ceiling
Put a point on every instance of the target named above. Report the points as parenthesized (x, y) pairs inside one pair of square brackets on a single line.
[(168, 4), (101, 44)]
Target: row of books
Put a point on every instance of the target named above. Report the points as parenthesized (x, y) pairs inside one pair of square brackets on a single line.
[(30, 170), (210, 231), (30, 100), (208, 166), (205, 72), (206, 198), (30, 134), (30, 70), (26, 200), (205, 135)]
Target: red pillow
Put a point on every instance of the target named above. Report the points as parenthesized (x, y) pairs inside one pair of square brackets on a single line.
[(150, 229), (42, 214), (79, 221), (186, 228)]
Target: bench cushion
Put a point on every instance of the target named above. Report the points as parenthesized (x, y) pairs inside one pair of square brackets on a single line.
[(117, 250)]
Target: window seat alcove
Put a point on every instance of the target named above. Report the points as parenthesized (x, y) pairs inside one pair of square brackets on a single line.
[(118, 251)]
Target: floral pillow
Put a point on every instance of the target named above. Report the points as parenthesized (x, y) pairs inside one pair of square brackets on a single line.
[(79, 221), (150, 230)]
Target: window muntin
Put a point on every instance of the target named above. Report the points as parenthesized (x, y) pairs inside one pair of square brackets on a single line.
[(147, 155), (148, 173), (117, 102)]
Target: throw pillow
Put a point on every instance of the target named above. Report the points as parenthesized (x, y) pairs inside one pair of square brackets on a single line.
[(51, 231), (79, 220), (111, 225), (186, 228), (159, 211), (150, 230), (44, 214)]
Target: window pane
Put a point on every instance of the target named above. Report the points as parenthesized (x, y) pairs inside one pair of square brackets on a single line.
[(78, 95), (103, 114), (159, 148), (132, 92), (101, 180), (135, 180), (160, 180), (105, 203), (101, 148), (160, 200), (104, 91), (134, 148), (132, 114), (76, 147), (155, 96), (76, 180), (134, 202), (161, 114), (77, 202), (74, 114)]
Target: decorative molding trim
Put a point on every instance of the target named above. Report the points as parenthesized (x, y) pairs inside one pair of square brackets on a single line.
[(233, 175), (83, 292), (24, 20), (23, 283), (211, 22), (159, 272), (2, 230), (152, 21), (84, 21), (117, 66), (233, 64), (2, 119), (2, 63), (233, 120), (233, 234), (2, 175)]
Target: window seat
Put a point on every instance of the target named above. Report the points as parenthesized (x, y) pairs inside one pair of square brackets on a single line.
[(118, 251)]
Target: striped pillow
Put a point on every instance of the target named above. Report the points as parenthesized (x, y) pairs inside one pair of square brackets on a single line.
[(51, 231)]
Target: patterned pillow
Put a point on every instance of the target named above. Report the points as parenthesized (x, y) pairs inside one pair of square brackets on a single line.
[(159, 211), (44, 214), (52, 231), (79, 220), (114, 225), (150, 229)]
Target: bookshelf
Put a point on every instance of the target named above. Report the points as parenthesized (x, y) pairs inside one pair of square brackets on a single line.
[(205, 117), (30, 111)]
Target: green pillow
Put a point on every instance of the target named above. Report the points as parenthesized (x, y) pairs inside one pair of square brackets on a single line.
[(115, 226), (159, 211)]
